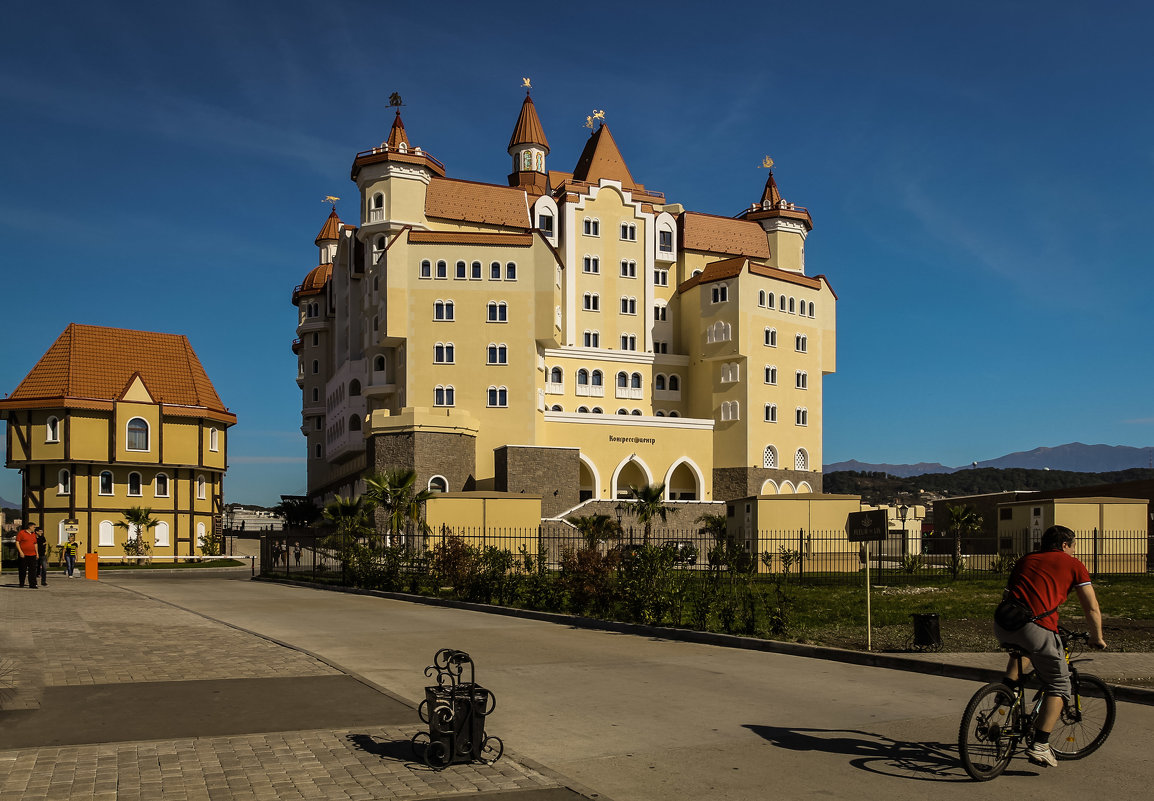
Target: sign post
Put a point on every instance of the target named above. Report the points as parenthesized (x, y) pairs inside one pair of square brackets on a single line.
[(867, 527)]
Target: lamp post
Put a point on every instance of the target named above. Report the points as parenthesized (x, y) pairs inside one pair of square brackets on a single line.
[(903, 510)]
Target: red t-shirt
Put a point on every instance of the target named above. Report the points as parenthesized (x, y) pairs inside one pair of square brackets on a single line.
[(26, 541), (1043, 582)]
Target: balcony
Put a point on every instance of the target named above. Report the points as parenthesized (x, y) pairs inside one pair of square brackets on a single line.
[(552, 388), (629, 393), (588, 391)]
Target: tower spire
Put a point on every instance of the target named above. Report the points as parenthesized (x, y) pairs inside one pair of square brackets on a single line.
[(528, 148)]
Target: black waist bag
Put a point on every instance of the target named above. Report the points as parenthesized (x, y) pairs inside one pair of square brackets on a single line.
[(1013, 615)]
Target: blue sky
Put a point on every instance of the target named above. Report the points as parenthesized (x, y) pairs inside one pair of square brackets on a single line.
[(979, 178)]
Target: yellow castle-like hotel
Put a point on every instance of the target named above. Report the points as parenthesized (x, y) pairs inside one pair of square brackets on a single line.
[(565, 335)]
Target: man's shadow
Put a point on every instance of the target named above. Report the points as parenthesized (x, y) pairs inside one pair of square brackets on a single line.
[(933, 762)]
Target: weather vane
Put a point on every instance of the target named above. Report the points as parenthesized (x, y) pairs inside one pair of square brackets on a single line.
[(766, 163), (331, 199), (526, 85), (395, 100), (598, 114)]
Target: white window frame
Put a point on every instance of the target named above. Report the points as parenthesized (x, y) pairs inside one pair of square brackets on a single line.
[(156, 493), (771, 412), (147, 436), (111, 483), (52, 429)]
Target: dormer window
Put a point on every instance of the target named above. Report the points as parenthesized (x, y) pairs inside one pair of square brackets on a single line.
[(137, 439), (665, 241), (545, 223)]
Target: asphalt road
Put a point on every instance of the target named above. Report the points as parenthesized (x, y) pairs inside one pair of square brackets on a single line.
[(640, 718)]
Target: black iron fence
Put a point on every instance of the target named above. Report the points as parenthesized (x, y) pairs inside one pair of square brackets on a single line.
[(808, 556)]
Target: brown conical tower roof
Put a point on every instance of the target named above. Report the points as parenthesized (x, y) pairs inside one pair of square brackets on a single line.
[(330, 230), (397, 135), (771, 193), (601, 159), (528, 130)]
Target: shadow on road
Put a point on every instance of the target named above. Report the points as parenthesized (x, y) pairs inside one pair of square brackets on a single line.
[(400, 750), (934, 762)]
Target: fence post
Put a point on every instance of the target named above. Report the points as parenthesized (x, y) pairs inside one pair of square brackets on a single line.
[(1095, 551)]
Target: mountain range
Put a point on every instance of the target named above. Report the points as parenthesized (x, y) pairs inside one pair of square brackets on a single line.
[(1074, 456)]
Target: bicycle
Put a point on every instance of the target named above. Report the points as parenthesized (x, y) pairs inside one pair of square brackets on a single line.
[(998, 718)]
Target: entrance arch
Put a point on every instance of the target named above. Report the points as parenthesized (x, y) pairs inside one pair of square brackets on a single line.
[(684, 482), (588, 481), (631, 471)]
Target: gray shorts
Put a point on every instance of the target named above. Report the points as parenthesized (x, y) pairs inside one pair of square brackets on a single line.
[(1045, 650)]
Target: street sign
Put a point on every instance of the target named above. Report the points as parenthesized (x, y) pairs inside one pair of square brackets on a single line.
[(867, 526), (71, 526)]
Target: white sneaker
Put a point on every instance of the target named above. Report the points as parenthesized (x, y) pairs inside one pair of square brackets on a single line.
[(1042, 754)]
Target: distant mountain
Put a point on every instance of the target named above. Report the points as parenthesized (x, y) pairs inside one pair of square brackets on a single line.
[(6, 504), (1074, 457)]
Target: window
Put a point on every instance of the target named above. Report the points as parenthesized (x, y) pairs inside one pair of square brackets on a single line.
[(378, 201), (635, 381), (720, 293), (201, 488), (107, 534), (731, 410), (556, 376), (591, 301), (659, 312), (660, 346), (137, 434), (629, 306), (462, 271), (628, 269), (665, 241), (771, 374), (674, 383), (801, 460), (443, 310), (442, 269), (623, 411), (379, 364), (316, 366), (355, 422), (498, 397), (426, 270), (769, 458), (213, 439), (761, 298), (800, 343), (545, 223), (623, 379), (52, 430), (628, 342), (134, 483), (161, 532), (592, 339), (317, 451), (659, 382), (444, 396), (556, 407), (629, 232), (659, 413), (64, 483), (160, 486), (597, 410), (674, 414), (771, 337), (438, 484), (592, 264), (475, 271), (582, 410), (719, 332), (106, 483), (811, 314), (592, 227), (771, 412), (318, 423), (583, 377), (801, 416), (443, 353), (661, 277), (801, 380), (781, 302), (498, 354), (497, 311), (316, 339), (596, 378), (495, 271), (791, 305), (316, 395), (510, 271)]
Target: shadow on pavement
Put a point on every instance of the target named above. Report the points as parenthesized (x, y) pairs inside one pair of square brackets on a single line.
[(935, 762), (400, 750)]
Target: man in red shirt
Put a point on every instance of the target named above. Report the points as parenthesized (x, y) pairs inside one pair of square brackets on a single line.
[(29, 560), (1042, 581)]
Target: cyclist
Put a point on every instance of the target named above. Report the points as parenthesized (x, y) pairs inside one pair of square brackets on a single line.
[(1042, 581)]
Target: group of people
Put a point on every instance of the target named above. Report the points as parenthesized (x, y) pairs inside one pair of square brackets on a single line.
[(33, 563)]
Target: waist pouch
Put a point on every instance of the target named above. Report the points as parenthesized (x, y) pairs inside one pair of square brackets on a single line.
[(1013, 615)]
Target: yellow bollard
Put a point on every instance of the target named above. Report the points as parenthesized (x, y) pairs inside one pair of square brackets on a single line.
[(91, 566)]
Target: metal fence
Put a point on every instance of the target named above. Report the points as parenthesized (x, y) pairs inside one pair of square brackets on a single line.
[(814, 556)]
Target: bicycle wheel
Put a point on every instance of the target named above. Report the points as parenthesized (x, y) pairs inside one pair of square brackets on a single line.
[(986, 738), (1086, 722)]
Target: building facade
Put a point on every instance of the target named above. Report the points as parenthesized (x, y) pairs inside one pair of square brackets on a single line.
[(567, 334), (110, 419)]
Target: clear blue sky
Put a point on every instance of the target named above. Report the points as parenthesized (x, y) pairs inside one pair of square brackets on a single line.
[(979, 175)]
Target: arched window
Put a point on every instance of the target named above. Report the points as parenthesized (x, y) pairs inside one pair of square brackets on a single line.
[(160, 487), (379, 364), (659, 382), (378, 244), (801, 416), (635, 381), (161, 532), (556, 376), (462, 271), (582, 377), (426, 269), (510, 271), (137, 434), (636, 412), (781, 302), (442, 269), (623, 379), (106, 482), (770, 374), (659, 413), (213, 439), (443, 353), (316, 366), (498, 396), (134, 483), (52, 430), (378, 201), (354, 388), (811, 313), (107, 534), (495, 271), (623, 411), (771, 337), (201, 488), (438, 484), (674, 414), (596, 378), (791, 305), (801, 460), (355, 422), (497, 312), (475, 271), (761, 298), (556, 407), (674, 383), (771, 412), (316, 395), (801, 343), (64, 483), (582, 410), (498, 354), (769, 457), (444, 396), (598, 410)]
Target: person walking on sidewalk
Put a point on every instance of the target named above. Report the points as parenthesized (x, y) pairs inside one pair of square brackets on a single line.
[(41, 555), (26, 543), (71, 548), (1040, 582)]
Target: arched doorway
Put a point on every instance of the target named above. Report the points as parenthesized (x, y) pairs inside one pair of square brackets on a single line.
[(587, 481), (683, 484), (631, 475)]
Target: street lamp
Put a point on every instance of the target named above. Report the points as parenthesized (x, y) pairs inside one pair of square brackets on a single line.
[(903, 510)]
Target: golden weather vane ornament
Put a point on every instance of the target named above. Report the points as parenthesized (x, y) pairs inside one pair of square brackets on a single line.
[(525, 84), (598, 114), (766, 164), (331, 199), (395, 100)]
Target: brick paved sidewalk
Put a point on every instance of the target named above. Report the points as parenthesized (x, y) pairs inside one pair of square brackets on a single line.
[(109, 643)]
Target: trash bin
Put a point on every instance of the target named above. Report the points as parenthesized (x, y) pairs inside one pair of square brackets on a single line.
[(455, 711), (927, 632)]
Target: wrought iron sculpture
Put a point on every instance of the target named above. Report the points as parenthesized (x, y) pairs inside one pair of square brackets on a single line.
[(455, 711)]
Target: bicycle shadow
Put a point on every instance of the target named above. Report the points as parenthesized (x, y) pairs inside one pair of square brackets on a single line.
[(876, 753)]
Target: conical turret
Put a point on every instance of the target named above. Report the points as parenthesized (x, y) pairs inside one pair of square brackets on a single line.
[(528, 147)]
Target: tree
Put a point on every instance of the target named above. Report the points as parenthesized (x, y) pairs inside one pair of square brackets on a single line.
[(395, 492), (596, 529), (962, 520), (298, 512), (137, 520), (350, 518), (647, 504)]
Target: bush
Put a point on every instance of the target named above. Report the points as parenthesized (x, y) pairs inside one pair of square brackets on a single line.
[(587, 577)]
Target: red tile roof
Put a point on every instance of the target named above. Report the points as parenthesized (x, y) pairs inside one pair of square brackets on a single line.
[(466, 201), (91, 366), (528, 130), (601, 159), (723, 235), (330, 230), (314, 282), (470, 238)]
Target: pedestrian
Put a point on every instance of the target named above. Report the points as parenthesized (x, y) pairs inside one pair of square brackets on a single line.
[(42, 555), (71, 549), (297, 553), (26, 543)]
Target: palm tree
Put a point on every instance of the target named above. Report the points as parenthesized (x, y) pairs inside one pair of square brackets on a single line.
[(647, 504), (596, 529), (714, 526), (137, 520), (962, 520), (350, 517), (395, 493), (298, 512)]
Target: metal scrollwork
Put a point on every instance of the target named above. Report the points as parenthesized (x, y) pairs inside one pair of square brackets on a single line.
[(455, 710)]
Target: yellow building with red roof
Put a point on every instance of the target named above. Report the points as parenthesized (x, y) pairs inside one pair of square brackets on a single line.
[(109, 419), (566, 334)]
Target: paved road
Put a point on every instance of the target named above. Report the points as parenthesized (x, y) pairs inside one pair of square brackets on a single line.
[(641, 718)]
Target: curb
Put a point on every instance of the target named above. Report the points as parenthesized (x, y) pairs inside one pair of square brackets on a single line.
[(1136, 695)]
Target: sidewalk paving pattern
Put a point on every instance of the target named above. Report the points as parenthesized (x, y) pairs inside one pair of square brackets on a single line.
[(119, 696)]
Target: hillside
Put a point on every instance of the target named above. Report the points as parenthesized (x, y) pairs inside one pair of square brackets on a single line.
[(1074, 457)]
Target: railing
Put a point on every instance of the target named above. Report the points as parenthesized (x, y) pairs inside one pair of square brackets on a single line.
[(385, 149)]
